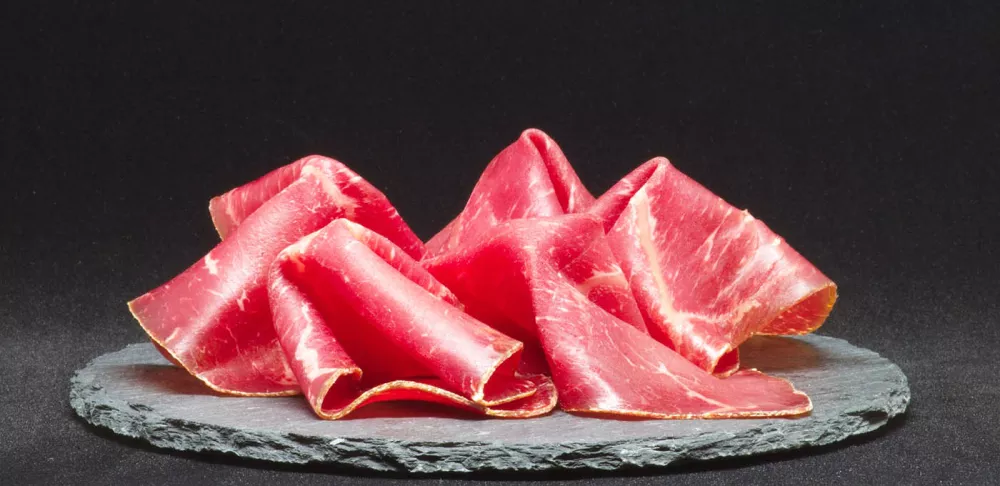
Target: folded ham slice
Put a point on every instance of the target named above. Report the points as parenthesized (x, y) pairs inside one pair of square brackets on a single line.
[(561, 281), (530, 178), (707, 276), (213, 319), (363, 322), (357, 199), (625, 305)]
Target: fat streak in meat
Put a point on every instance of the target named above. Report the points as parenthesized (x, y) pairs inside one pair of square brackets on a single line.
[(357, 199), (213, 319), (707, 276), (530, 178), (561, 282), (363, 322)]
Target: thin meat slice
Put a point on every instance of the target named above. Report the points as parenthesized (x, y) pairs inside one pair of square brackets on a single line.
[(528, 179), (230, 209), (490, 281), (214, 319), (363, 322), (707, 276), (361, 202), (599, 363)]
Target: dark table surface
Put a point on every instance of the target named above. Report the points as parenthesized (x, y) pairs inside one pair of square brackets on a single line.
[(866, 135)]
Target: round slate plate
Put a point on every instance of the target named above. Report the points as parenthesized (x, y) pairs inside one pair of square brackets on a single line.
[(135, 392)]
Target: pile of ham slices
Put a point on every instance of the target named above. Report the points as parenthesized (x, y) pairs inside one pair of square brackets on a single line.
[(537, 295)]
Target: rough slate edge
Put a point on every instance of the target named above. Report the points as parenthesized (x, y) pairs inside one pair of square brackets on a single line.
[(95, 405)]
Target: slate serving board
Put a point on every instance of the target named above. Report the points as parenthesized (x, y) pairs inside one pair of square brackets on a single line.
[(136, 393)]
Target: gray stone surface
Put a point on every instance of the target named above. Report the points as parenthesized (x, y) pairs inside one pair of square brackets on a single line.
[(136, 393)]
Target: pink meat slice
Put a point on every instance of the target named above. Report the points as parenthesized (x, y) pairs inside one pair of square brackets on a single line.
[(706, 275), (360, 201), (230, 209), (214, 318), (493, 288), (567, 287), (530, 178), (361, 322)]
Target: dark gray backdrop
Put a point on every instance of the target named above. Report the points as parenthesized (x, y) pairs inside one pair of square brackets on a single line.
[(866, 134)]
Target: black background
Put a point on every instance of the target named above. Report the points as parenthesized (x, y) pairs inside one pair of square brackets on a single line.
[(866, 134)]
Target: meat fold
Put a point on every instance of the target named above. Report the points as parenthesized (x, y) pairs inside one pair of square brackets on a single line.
[(214, 319), (362, 322), (357, 199), (560, 284), (633, 304), (528, 179), (706, 276)]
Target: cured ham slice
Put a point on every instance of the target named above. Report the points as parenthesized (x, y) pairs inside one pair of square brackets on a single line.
[(359, 201), (530, 178), (214, 319), (230, 209), (705, 275), (363, 322), (633, 304), (560, 280)]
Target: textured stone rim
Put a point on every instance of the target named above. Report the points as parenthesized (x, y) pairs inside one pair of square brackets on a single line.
[(854, 391)]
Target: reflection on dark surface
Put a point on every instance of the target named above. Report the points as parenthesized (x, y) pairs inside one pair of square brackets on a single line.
[(162, 378), (777, 354)]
